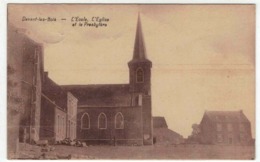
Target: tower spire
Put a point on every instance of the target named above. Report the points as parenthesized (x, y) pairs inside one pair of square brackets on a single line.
[(139, 46)]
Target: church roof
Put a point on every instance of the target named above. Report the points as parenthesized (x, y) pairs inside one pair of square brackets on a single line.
[(99, 95), (226, 116), (139, 53)]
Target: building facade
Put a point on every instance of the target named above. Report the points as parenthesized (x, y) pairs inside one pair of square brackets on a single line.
[(24, 82), (31, 90), (225, 127), (58, 109), (14, 95), (38, 108), (53, 121), (72, 105), (121, 113)]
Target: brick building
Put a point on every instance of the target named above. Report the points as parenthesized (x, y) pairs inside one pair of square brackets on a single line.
[(225, 127), (120, 113), (58, 112)]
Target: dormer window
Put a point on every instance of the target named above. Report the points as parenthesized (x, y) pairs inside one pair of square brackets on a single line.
[(139, 75)]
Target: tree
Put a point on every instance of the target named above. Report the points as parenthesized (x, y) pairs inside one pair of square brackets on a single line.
[(195, 130), (195, 135)]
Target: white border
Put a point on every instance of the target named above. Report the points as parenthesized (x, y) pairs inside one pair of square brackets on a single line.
[(3, 49)]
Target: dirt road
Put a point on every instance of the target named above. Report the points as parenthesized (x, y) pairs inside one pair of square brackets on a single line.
[(160, 152)]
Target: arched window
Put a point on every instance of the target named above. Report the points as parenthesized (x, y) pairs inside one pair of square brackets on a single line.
[(102, 121), (85, 121), (119, 121), (139, 75)]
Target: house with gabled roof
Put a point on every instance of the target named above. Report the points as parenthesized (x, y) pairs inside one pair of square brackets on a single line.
[(225, 127)]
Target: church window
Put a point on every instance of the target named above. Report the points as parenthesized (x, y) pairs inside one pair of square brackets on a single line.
[(119, 121), (85, 121), (102, 121), (139, 75)]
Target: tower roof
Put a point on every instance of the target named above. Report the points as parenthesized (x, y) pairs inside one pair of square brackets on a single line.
[(139, 46)]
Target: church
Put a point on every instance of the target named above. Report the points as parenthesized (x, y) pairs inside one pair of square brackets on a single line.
[(118, 113)]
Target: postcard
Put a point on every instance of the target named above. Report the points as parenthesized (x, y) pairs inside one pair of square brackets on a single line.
[(131, 81)]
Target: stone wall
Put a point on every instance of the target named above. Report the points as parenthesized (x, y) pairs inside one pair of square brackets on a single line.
[(30, 87), (14, 98), (24, 85)]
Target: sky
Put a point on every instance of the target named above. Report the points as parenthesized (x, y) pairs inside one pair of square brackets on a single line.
[(203, 55)]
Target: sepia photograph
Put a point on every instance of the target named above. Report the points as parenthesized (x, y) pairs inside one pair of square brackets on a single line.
[(131, 81)]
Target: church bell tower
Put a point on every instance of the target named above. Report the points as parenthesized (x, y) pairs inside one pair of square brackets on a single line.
[(140, 83)]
